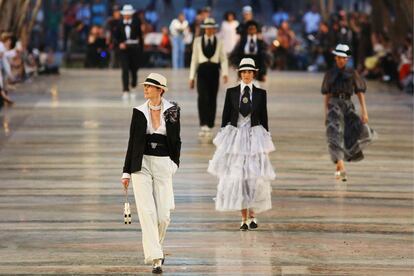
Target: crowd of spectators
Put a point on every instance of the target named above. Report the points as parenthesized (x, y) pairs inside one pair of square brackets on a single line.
[(294, 42), (82, 31), (19, 62)]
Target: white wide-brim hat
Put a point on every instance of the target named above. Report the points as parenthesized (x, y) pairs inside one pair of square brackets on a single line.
[(127, 10), (209, 23), (247, 64), (342, 50), (156, 80)]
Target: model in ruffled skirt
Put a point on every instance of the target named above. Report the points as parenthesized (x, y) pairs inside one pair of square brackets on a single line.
[(241, 160)]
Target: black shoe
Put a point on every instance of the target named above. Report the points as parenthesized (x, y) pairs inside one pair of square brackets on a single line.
[(157, 270), (244, 226), (253, 223)]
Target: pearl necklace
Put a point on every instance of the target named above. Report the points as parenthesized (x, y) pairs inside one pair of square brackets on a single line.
[(154, 107)]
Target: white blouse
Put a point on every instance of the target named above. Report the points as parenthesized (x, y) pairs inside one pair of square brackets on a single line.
[(229, 35), (161, 129)]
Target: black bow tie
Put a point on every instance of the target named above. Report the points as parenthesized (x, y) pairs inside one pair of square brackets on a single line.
[(245, 102)]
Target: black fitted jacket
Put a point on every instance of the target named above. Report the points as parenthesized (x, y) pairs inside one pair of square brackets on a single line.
[(232, 103), (259, 58), (137, 138), (136, 33)]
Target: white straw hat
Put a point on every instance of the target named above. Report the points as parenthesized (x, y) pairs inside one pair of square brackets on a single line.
[(127, 10), (156, 80), (209, 23), (342, 50), (247, 64)]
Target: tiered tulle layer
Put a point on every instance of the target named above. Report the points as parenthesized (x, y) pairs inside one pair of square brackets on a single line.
[(241, 162)]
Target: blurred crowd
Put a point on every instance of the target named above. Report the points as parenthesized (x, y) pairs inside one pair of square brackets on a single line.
[(83, 32), (19, 62)]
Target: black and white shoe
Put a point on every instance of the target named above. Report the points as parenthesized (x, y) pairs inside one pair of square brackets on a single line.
[(244, 226), (341, 175), (156, 266), (252, 223), (157, 270)]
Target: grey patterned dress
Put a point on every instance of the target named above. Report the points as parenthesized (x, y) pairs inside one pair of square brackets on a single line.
[(345, 132)]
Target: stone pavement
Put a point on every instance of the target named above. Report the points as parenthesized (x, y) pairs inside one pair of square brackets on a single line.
[(61, 202)]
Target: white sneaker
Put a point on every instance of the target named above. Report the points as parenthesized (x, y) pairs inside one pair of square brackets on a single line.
[(209, 131), (203, 131), (132, 96), (125, 96)]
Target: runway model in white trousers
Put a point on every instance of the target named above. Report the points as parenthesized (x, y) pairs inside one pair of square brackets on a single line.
[(154, 198)]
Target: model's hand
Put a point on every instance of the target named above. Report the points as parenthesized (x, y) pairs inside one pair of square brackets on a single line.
[(191, 83), (364, 118), (225, 79), (122, 46), (125, 182)]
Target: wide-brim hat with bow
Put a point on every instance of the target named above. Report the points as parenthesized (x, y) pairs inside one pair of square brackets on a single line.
[(209, 23), (156, 80), (127, 10), (247, 64), (342, 50)]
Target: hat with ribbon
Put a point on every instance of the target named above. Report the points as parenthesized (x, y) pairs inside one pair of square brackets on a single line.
[(247, 64), (342, 50), (127, 10), (156, 80), (209, 23)]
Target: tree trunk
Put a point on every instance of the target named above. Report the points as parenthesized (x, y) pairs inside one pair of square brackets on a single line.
[(33, 17), (22, 17), (18, 17)]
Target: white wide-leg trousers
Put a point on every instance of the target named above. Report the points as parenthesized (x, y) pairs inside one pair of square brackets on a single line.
[(154, 198)]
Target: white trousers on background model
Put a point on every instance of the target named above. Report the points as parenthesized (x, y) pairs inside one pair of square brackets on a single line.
[(154, 198)]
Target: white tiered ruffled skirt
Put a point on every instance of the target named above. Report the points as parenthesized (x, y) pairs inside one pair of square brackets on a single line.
[(241, 162)]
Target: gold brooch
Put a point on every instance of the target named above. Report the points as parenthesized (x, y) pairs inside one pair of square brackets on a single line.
[(245, 100)]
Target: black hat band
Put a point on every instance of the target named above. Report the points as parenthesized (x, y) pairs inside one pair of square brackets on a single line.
[(247, 66), (154, 81), (348, 52)]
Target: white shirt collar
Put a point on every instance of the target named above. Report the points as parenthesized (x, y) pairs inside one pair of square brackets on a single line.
[(249, 37), (145, 109), (207, 38), (243, 85)]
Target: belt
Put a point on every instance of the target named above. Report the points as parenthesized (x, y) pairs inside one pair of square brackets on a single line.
[(342, 96), (131, 41), (156, 145)]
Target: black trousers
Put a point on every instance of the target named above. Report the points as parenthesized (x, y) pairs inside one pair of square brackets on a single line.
[(208, 77), (130, 61)]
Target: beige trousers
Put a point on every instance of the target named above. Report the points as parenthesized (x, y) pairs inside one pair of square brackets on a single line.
[(154, 198)]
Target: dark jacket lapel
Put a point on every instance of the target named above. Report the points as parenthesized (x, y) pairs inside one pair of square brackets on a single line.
[(255, 99), (236, 98)]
